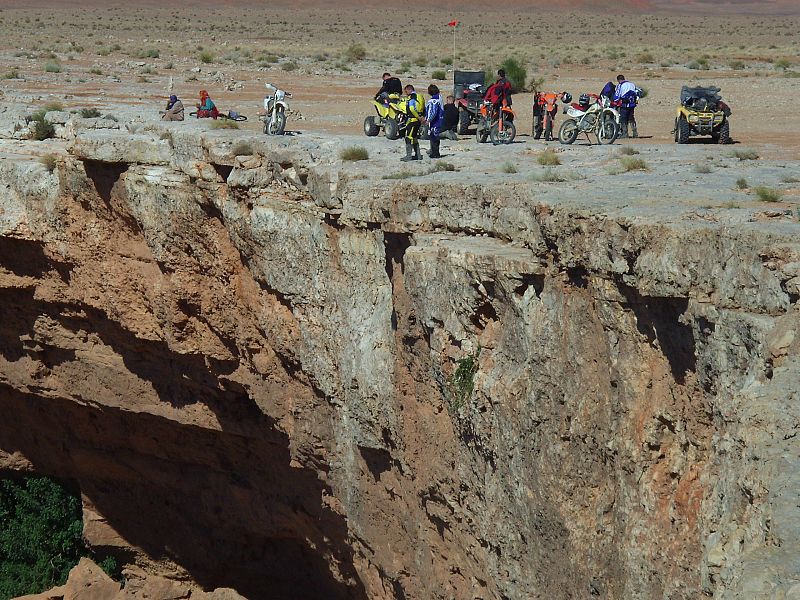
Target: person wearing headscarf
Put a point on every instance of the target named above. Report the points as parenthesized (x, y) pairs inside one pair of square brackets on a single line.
[(174, 110)]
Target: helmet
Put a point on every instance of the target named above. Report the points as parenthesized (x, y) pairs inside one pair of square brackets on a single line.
[(584, 100), (566, 97)]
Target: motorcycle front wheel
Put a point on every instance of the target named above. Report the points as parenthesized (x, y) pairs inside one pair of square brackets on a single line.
[(506, 136), (277, 125), (568, 132), (608, 131)]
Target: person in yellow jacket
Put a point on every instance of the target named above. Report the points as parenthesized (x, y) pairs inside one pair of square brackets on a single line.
[(414, 108)]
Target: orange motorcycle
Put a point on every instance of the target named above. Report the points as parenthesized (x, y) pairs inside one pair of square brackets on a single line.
[(545, 109), (495, 123)]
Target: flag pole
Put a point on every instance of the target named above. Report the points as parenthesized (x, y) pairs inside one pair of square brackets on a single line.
[(454, 47)]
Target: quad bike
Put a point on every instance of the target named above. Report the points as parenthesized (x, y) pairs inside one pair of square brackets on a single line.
[(392, 118), (702, 112), (275, 109), (545, 108), (592, 114), (468, 90), (496, 124)]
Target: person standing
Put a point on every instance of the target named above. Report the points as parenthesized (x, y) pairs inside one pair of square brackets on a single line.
[(627, 96), (450, 120), (415, 104), (434, 116)]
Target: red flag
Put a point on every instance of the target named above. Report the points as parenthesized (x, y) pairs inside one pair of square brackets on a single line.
[(452, 23)]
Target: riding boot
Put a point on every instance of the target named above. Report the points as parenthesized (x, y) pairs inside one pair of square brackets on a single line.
[(408, 156), (435, 148), (417, 154), (633, 129)]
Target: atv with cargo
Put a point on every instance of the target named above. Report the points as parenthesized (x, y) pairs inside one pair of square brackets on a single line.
[(702, 112), (468, 90)]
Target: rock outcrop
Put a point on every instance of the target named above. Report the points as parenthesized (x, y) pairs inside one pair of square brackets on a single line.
[(270, 373)]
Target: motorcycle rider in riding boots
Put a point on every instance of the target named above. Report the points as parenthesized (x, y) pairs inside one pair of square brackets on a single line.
[(414, 107), (434, 117)]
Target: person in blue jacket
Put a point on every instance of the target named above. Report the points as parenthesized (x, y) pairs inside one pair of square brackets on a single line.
[(434, 116), (626, 96)]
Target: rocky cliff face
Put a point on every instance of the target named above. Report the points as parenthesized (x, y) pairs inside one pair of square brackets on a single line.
[(271, 373)]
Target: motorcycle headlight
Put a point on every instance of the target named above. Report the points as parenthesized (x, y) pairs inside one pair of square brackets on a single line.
[(693, 118)]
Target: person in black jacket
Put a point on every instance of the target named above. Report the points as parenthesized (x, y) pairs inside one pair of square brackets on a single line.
[(450, 123), (391, 85)]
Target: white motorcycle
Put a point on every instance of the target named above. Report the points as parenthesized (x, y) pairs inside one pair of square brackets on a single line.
[(590, 117), (275, 109)]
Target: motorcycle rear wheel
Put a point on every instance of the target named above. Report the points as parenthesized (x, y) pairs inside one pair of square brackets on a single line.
[(568, 132)]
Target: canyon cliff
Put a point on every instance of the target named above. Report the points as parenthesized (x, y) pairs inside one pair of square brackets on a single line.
[(270, 371)]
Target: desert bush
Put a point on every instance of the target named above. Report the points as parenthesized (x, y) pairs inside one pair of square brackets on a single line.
[(224, 124), (741, 183), (242, 149), (633, 164), (782, 64), (354, 153), (516, 73), (355, 52), (700, 64), (52, 67), (49, 162), (702, 168), (645, 58), (421, 61), (41, 129), (548, 158), (508, 167), (441, 165), (151, 53), (206, 57), (789, 179), (89, 113), (447, 61), (289, 65), (439, 75), (549, 175), (404, 67), (744, 154), (736, 65), (95, 71), (628, 151), (766, 194), (462, 383), (12, 74)]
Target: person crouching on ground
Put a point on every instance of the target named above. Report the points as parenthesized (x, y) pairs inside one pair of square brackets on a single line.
[(206, 109), (627, 95), (434, 116), (450, 121), (414, 107), (174, 110)]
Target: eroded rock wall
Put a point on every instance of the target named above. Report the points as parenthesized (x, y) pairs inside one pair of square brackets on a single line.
[(247, 363)]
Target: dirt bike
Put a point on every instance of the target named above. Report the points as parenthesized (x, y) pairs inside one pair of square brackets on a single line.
[(495, 124), (545, 108), (593, 114), (275, 109)]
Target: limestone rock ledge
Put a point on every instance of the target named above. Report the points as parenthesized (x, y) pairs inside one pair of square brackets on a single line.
[(243, 351)]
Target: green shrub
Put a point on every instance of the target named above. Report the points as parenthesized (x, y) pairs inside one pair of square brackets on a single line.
[(741, 183), (439, 75), (52, 67), (12, 74), (441, 165), (404, 67), (766, 194), (95, 71), (462, 383), (447, 61), (782, 64), (508, 167), (628, 151), (548, 158), (736, 65), (151, 53), (41, 129), (354, 153), (355, 52), (40, 535), (89, 113), (421, 61), (289, 65), (206, 57), (702, 168), (645, 58), (516, 73)]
